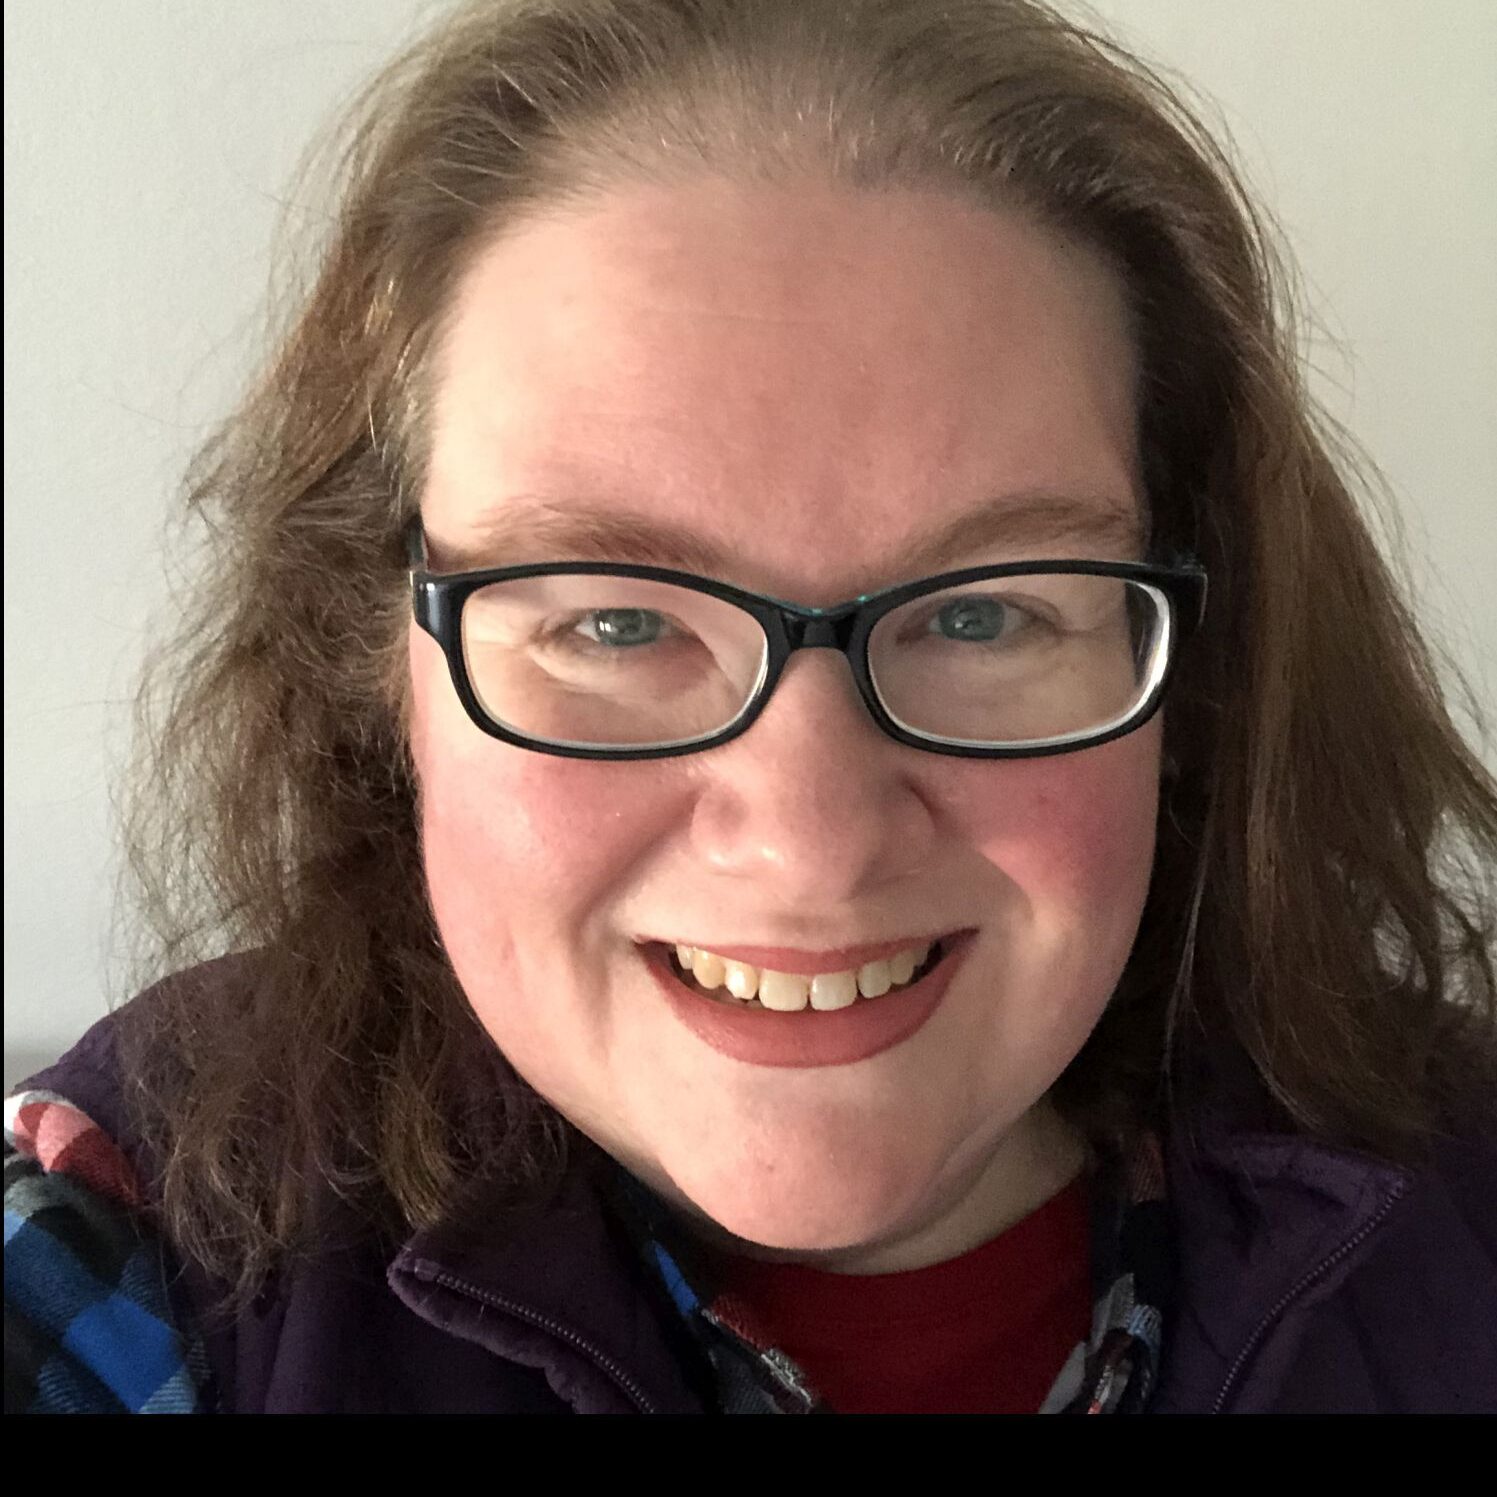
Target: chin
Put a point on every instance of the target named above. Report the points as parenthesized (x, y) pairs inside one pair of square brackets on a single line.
[(826, 1208), (778, 1232)]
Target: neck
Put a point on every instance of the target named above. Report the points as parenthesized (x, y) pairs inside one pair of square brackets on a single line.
[(1029, 1166)]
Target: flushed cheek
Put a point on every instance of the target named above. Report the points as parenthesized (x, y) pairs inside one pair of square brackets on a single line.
[(1074, 830), (518, 869), (550, 833), (557, 834), (526, 856)]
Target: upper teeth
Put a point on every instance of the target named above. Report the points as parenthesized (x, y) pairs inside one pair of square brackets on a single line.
[(789, 991)]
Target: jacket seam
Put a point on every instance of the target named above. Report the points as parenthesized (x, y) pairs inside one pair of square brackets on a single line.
[(1304, 1285), (600, 1359)]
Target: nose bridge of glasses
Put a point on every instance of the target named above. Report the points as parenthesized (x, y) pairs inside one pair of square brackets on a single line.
[(827, 629), (815, 629)]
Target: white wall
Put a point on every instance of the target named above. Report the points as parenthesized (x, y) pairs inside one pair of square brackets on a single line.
[(146, 143)]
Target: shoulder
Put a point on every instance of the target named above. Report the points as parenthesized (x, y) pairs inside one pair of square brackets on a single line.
[(93, 1074), (1416, 1318), (105, 1313), (1315, 1278), (96, 1314), (90, 1323)]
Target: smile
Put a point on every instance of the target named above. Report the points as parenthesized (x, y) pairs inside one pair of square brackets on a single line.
[(749, 1031), (789, 992)]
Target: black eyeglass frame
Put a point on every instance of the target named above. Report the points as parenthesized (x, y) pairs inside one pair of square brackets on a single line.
[(437, 599)]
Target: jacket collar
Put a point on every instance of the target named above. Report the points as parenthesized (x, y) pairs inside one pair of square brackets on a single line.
[(557, 1290), (1267, 1224)]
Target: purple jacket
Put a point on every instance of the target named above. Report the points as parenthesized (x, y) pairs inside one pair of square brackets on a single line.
[(1310, 1280)]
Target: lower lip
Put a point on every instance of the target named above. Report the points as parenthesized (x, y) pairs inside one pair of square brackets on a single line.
[(761, 1037)]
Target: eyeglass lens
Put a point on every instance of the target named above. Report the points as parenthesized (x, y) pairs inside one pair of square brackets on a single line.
[(598, 661)]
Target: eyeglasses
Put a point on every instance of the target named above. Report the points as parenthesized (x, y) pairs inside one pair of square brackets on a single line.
[(597, 660)]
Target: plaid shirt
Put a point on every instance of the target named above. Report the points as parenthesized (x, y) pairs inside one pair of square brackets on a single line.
[(92, 1327), (89, 1323)]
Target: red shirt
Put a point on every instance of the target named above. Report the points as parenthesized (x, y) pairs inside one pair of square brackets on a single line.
[(986, 1333)]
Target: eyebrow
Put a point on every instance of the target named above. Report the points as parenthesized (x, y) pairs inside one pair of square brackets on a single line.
[(531, 529)]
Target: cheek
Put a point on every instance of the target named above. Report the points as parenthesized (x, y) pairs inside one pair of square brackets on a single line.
[(1075, 830), (512, 839)]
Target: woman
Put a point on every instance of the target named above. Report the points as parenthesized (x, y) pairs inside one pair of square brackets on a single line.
[(1074, 998)]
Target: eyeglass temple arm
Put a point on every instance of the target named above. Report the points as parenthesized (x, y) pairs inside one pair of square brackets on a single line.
[(415, 545), (1195, 576)]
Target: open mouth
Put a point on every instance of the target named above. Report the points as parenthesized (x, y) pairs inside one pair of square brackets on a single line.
[(667, 958), (845, 1026)]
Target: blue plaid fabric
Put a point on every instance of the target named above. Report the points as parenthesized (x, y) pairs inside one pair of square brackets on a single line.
[(89, 1324)]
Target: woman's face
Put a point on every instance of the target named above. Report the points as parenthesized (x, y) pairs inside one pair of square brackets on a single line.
[(809, 383)]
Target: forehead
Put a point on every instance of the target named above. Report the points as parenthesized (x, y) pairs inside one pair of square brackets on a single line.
[(803, 388)]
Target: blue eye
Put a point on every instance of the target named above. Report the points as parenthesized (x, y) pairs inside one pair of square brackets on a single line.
[(622, 627), (979, 619)]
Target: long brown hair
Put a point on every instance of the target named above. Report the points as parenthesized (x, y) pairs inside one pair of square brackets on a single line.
[(1321, 904)]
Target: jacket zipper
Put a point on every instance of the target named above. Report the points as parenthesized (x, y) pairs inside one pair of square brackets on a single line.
[(600, 1359), (1305, 1283)]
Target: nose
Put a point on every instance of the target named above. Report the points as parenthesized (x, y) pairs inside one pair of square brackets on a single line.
[(814, 801)]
